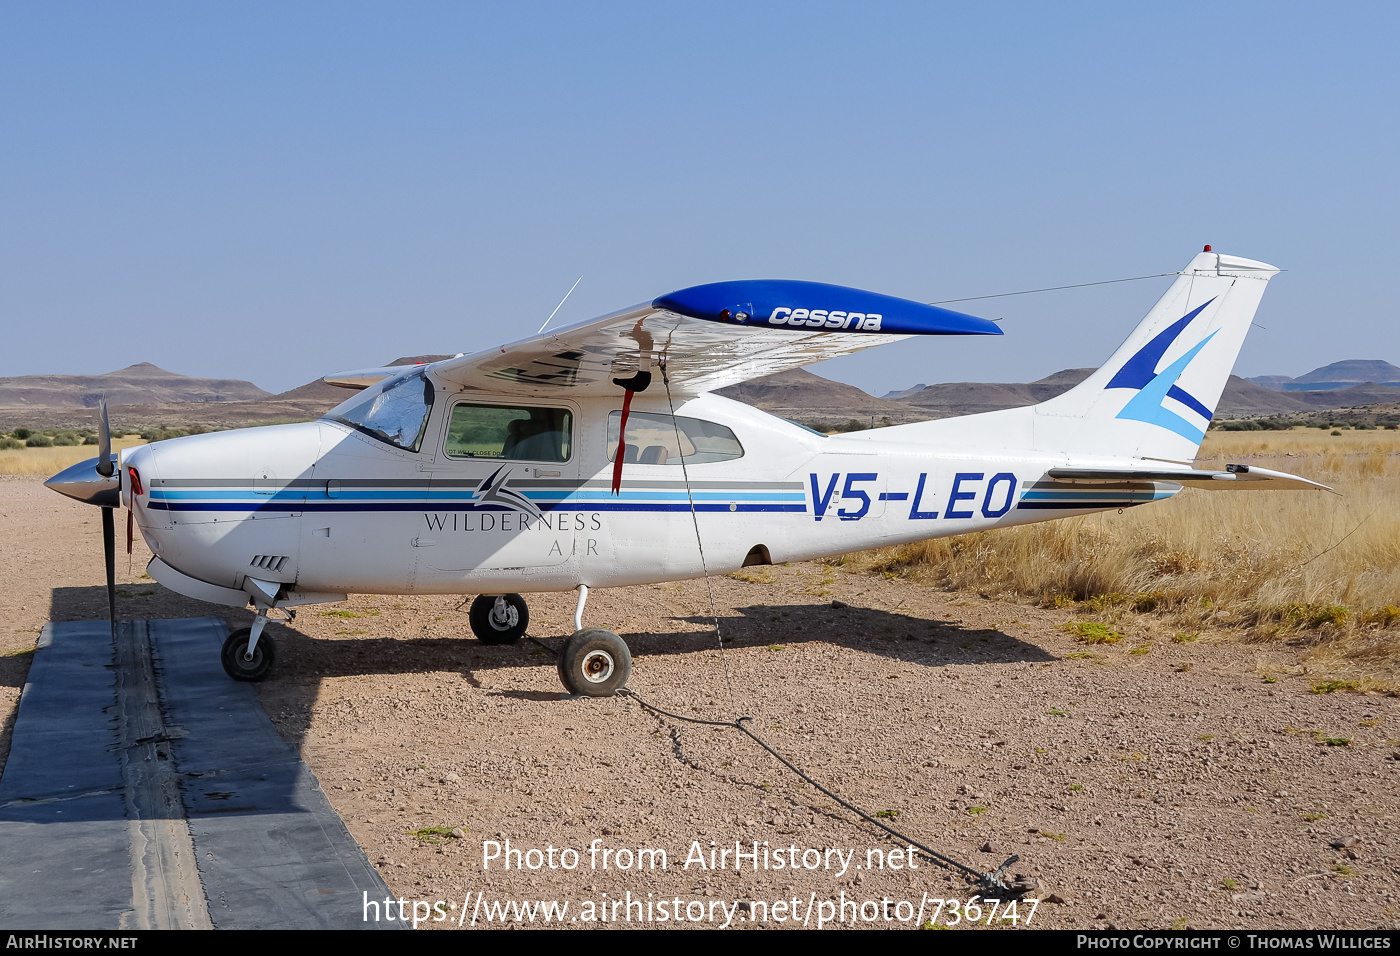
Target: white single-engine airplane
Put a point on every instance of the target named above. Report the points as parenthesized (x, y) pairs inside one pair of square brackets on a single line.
[(594, 456)]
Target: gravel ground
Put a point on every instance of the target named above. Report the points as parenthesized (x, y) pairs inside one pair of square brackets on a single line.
[(1148, 784)]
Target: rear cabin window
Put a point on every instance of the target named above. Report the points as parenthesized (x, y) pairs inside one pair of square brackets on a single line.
[(512, 433), (651, 440)]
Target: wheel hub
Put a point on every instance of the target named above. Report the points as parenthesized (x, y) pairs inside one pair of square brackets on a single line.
[(598, 666)]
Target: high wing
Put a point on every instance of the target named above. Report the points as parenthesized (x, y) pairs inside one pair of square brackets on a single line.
[(706, 337), (365, 377), (1233, 478)]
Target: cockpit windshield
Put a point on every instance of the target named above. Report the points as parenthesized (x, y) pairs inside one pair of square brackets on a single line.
[(395, 411)]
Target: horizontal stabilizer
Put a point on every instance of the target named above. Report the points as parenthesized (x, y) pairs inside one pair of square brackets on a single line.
[(1233, 478)]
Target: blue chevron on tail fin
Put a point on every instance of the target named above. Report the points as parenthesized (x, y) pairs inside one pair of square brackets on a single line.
[(1156, 394)]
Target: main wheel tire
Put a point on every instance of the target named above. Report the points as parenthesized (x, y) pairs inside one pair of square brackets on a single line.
[(235, 652), (594, 663), (489, 630)]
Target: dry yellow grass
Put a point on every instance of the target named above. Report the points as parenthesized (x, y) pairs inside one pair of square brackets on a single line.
[(50, 461), (1271, 564)]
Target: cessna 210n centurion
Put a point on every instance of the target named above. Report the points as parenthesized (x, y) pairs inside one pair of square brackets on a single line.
[(595, 456)]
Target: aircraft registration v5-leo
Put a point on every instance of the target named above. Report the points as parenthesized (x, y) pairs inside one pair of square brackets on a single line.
[(595, 456)]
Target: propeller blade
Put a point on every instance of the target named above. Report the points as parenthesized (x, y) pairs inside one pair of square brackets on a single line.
[(105, 467), (109, 553)]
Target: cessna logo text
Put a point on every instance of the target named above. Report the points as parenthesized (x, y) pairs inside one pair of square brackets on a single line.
[(822, 319)]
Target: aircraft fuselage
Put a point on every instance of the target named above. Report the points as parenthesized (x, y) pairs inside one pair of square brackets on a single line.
[(326, 507)]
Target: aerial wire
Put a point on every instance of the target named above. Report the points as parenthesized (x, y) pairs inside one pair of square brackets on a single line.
[(1054, 288), (560, 305), (695, 520)]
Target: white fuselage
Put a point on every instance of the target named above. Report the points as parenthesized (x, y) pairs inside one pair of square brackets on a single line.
[(323, 507)]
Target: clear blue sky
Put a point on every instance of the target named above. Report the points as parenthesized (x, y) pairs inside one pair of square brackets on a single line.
[(273, 191)]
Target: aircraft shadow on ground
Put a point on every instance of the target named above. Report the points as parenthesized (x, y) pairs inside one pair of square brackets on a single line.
[(303, 661)]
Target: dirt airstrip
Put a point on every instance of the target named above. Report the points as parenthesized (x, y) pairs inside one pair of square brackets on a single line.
[(1198, 784)]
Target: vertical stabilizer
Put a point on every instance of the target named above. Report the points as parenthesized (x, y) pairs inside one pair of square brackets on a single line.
[(1156, 394)]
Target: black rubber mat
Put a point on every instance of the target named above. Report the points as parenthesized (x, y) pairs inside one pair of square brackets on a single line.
[(145, 789)]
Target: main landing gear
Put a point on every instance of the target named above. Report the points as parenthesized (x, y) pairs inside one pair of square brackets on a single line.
[(594, 662)]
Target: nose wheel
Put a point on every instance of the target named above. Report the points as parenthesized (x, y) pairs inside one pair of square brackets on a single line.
[(499, 618), (594, 663), (239, 664)]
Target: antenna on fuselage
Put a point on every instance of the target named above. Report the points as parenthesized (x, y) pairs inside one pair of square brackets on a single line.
[(560, 305)]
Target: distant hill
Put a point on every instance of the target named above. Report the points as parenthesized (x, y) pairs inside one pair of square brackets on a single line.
[(1368, 394), (1338, 375), (799, 395), (947, 400), (1245, 399), (152, 402), (1240, 399), (1275, 382), (1349, 372), (317, 391), (143, 382), (950, 399)]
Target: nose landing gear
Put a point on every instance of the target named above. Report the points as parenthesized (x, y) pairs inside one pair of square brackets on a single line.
[(499, 618), (241, 664), (248, 653)]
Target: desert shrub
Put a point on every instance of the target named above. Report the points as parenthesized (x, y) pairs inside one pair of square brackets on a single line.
[(1092, 632), (39, 441), (1380, 616), (1149, 602), (1308, 615), (7, 443), (1257, 425)]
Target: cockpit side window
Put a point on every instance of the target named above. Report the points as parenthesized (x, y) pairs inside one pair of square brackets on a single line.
[(515, 434), (651, 440), (395, 412)]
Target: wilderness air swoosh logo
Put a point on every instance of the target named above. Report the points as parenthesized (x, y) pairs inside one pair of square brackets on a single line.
[(1154, 387), (494, 491)]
